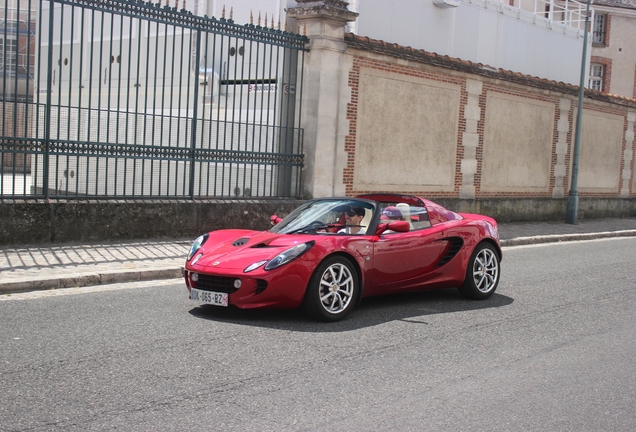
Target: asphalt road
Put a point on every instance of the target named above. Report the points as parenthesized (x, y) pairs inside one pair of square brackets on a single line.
[(553, 349)]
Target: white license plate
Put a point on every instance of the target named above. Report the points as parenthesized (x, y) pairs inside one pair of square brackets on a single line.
[(215, 298)]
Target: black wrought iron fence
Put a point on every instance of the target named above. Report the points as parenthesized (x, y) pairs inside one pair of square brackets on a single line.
[(130, 99)]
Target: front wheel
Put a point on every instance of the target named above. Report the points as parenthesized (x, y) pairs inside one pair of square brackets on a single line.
[(332, 290), (482, 274)]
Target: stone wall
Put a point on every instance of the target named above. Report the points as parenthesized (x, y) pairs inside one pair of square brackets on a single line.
[(42, 222), (92, 221), (446, 128)]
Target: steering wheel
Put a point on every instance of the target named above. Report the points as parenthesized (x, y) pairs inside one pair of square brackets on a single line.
[(315, 225)]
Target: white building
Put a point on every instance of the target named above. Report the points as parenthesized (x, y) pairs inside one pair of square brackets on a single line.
[(613, 68), (542, 38), (538, 38)]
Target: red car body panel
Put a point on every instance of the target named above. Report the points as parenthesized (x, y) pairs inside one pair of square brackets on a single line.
[(433, 257)]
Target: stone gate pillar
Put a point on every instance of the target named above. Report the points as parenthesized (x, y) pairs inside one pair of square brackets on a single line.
[(325, 94)]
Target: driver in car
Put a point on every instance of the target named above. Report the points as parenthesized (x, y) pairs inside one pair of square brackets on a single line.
[(353, 218)]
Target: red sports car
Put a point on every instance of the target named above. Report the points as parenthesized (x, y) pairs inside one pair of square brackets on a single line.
[(330, 253)]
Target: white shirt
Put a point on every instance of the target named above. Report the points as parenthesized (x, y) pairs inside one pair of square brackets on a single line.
[(347, 230)]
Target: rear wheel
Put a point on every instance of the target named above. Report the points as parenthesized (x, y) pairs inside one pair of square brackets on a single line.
[(482, 274), (332, 290)]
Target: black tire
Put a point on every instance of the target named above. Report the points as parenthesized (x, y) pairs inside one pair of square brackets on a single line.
[(332, 290), (482, 273)]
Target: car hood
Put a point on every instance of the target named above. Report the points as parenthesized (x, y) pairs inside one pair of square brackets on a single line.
[(237, 249)]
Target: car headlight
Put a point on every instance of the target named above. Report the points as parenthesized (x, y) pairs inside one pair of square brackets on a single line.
[(289, 255), (197, 245)]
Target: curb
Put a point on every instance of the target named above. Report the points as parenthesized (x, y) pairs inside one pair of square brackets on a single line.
[(556, 238), (75, 280)]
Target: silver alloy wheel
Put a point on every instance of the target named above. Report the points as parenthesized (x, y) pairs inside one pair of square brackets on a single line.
[(485, 270), (336, 288)]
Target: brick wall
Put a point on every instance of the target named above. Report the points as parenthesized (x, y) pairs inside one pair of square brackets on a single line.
[(469, 162)]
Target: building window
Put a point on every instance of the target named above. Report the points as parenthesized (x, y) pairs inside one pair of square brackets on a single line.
[(598, 32), (9, 47), (596, 77), (8, 54)]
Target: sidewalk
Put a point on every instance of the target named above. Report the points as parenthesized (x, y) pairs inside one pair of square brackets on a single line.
[(74, 265), (65, 266)]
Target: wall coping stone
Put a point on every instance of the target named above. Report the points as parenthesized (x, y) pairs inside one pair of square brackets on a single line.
[(331, 9)]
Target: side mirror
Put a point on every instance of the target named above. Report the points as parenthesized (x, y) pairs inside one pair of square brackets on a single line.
[(275, 220), (381, 228)]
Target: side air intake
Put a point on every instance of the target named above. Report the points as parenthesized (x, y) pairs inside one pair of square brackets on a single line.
[(456, 244)]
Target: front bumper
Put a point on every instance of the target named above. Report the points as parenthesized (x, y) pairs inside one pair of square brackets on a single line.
[(280, 288)]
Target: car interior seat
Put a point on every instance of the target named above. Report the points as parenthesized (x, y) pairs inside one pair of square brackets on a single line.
[(406, 213), (366, 221)]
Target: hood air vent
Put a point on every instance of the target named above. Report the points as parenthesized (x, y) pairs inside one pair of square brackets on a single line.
[(241, 241)]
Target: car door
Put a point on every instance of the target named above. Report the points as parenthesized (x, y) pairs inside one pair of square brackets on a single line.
[(400, 259)]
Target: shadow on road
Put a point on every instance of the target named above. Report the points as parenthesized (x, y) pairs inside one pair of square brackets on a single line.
[(410, 307)]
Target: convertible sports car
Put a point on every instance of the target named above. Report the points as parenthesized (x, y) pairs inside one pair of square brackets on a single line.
[(330, 253)]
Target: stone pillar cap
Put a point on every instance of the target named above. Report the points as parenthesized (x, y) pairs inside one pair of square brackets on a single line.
[(333, 9)]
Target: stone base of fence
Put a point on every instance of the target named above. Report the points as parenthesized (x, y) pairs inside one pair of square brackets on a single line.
[(44, 222), (542, 209)]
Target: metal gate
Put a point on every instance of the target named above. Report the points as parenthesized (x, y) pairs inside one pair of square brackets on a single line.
[(128, 99)]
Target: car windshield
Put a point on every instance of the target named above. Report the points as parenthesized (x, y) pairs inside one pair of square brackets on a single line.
[(329, 216)]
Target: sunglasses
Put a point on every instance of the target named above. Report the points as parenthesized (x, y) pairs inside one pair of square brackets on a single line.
[(352, 214)]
